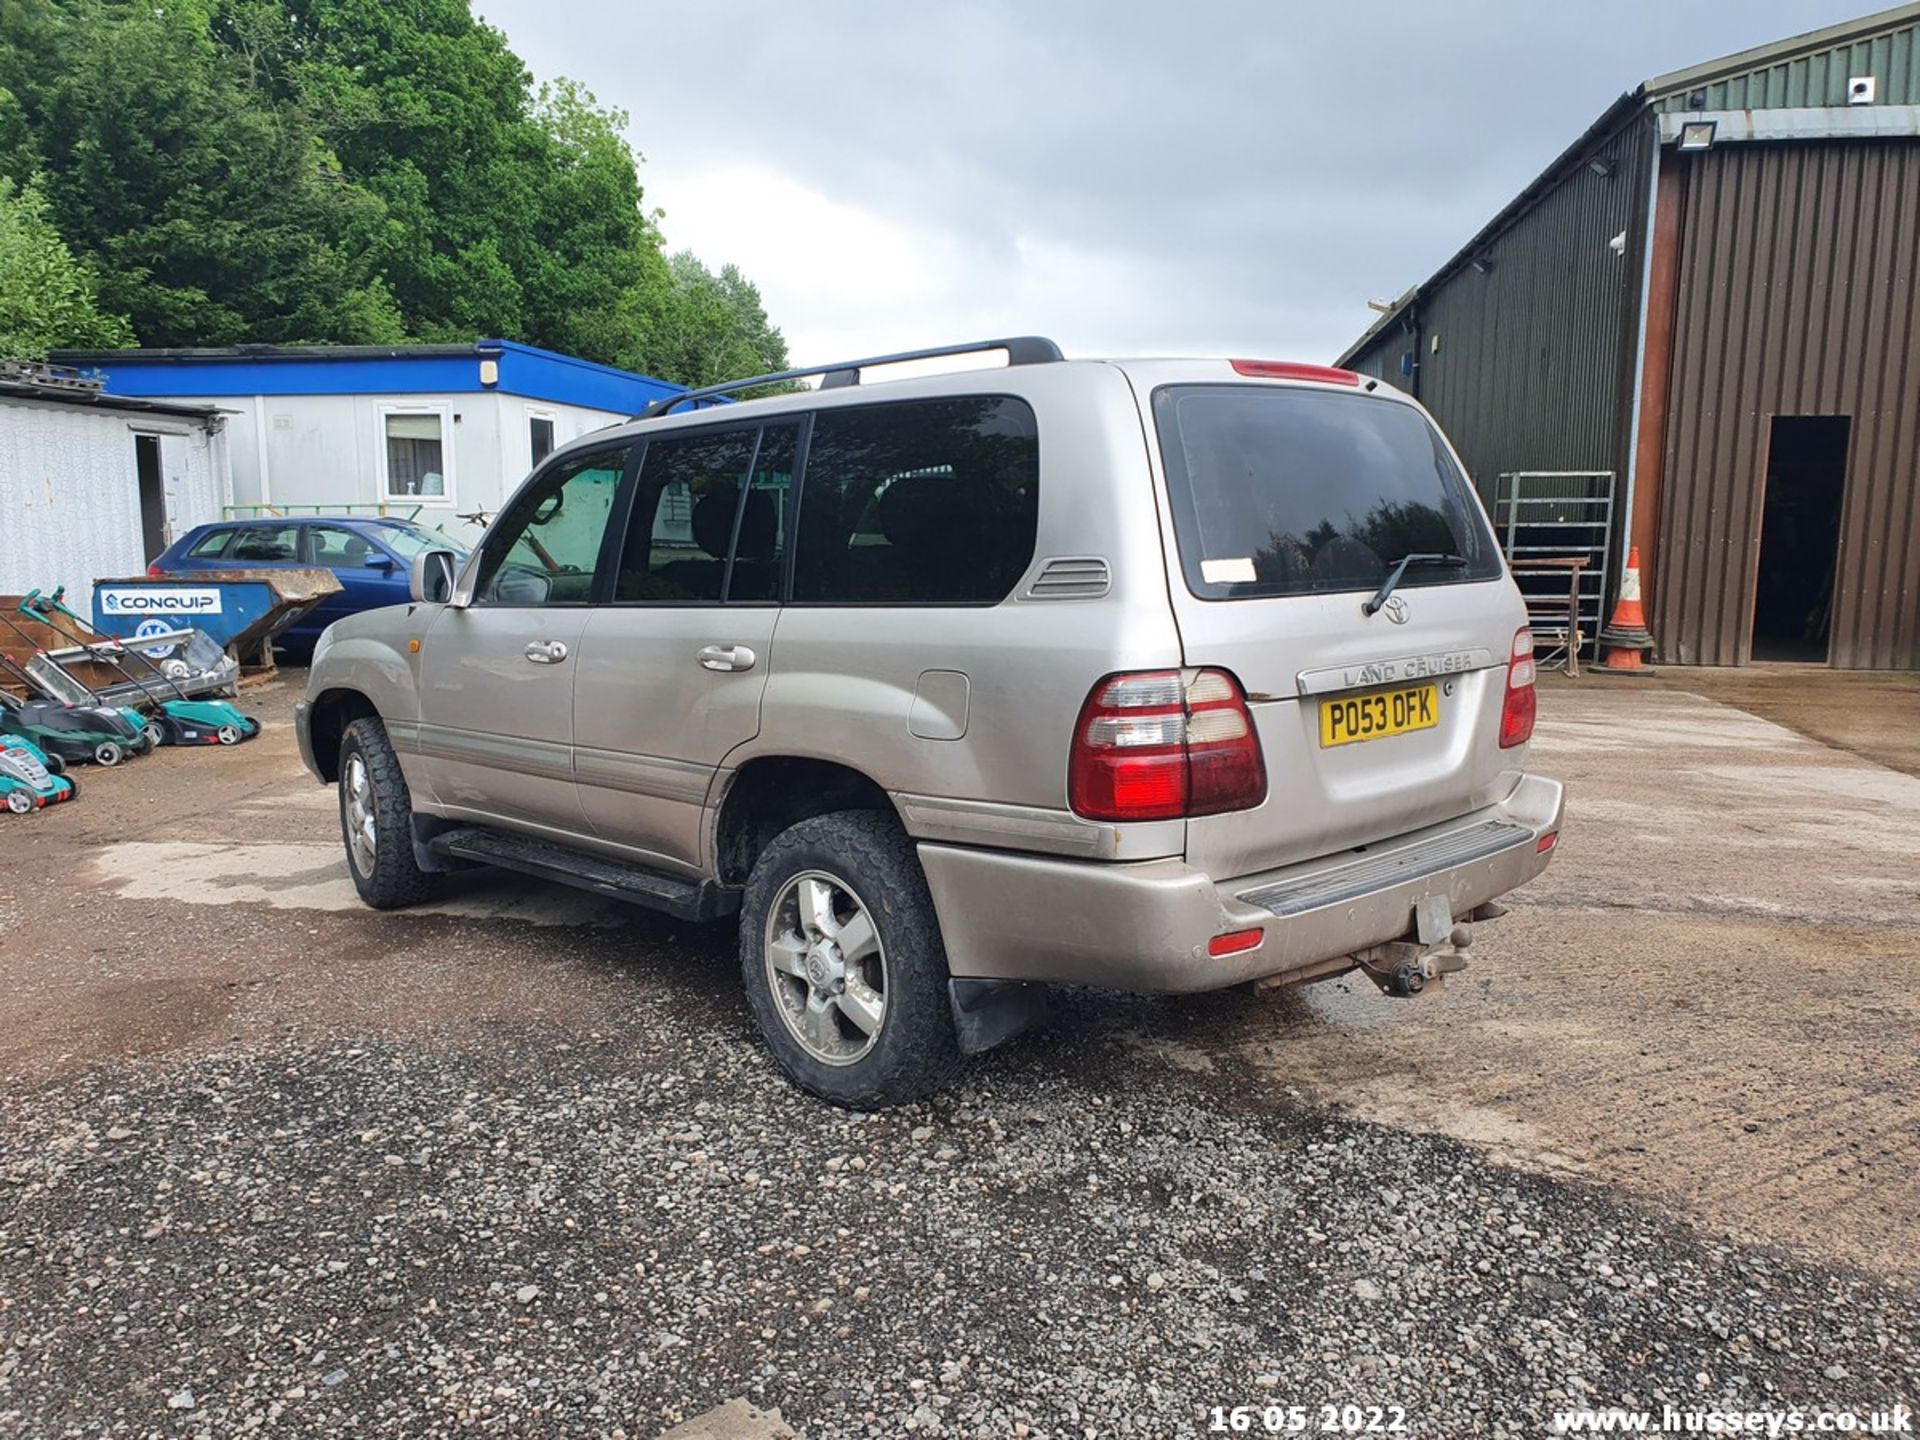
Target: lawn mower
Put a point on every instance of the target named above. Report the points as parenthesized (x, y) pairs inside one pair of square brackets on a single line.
[(181, 719), (68, 736), (28, 781), (49, 688), (79, 734)]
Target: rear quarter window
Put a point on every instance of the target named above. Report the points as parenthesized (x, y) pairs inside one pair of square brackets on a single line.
[(210, 545), (918, 502), (1284, 490)]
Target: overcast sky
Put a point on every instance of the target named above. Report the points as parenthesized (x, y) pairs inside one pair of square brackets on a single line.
[(1222, 177)]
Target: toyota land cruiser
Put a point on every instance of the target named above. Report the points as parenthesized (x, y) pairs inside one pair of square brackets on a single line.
[(1165, 675)]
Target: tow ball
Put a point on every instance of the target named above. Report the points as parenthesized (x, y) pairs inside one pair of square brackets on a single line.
[(1406, 968)]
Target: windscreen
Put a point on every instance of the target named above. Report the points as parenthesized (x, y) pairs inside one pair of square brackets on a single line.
[(407, 542), (1291, 491)]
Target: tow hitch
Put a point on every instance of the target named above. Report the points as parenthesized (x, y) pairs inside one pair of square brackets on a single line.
[(1438, 948)]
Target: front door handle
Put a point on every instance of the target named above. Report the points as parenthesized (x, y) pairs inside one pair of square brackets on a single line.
[(727, 657), (546, 652)]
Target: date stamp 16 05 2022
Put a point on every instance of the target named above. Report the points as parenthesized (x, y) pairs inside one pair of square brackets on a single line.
[(1307, 1419)]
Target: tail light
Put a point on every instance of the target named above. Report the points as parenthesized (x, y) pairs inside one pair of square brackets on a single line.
[(1516, 715), (1161, 745), (155, 570)]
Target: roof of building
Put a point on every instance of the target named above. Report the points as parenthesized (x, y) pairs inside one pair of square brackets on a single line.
[(42, 387), (1775, 63), (1784, 72), (244, 370)]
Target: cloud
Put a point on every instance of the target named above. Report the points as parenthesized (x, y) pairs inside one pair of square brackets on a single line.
[(1222, 177)]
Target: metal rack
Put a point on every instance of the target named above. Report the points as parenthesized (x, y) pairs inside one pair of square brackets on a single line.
[(1554, 516)]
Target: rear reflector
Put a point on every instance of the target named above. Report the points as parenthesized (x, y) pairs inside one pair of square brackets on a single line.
[(1518, 709), (1234, 942), (1294, 370), (1547, 842), (1162, 745)]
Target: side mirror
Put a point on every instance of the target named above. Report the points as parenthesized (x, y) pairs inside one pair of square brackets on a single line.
[(379, 562), (430, 579)]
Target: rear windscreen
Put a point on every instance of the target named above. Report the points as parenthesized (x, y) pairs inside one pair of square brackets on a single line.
[(1284, 491)]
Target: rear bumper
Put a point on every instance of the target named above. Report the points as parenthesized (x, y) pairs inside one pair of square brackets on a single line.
[(1145, 927)]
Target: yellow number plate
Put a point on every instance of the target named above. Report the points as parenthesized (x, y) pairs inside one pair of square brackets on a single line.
[(1346, 719)]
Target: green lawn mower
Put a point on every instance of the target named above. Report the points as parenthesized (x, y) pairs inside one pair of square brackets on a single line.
[(179, 720), (70, 735), (58, 701), (28, 781)]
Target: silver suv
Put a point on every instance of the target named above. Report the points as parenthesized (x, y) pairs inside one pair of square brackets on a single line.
[(1165, 675)]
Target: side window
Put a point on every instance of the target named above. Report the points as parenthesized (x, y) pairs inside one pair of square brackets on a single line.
[(544, 547), (211, 545), (687, 506), (762, 546), (331, 546), (932, 502), (267, 542), (540, 436)]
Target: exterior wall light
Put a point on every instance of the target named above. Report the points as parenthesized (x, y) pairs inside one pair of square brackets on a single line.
[(1698, 134)]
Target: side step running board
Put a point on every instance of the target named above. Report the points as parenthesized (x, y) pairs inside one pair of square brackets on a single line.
[(617, 880)]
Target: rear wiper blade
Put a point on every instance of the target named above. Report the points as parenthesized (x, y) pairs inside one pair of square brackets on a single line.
[(1418, 557)]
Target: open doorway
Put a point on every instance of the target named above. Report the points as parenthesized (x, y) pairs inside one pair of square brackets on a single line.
[(1800, 537), (153, 494)]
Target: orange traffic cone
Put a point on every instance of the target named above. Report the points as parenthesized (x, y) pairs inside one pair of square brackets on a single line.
[(1626, 634)]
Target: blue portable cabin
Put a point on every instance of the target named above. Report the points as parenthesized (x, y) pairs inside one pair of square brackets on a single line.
[(435, 432)]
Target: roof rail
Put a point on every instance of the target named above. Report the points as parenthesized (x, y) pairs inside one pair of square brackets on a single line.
[(1021, 350)]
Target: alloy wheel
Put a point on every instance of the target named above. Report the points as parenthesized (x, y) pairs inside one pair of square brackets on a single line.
[(826, 967), (361, 842)]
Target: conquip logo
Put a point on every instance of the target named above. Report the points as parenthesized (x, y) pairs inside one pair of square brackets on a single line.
[(159, 600)]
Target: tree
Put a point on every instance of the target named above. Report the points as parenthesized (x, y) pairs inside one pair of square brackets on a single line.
[(46, 296), (365, 171), (211, 215), (593, 250), (708, 328)]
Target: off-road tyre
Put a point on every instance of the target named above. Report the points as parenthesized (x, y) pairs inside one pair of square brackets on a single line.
[(916, 1052), (393, 879)]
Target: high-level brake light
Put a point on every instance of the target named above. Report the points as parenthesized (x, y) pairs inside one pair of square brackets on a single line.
[(1294, 370)]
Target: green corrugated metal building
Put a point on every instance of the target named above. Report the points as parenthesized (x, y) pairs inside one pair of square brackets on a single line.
[(1712, 294)]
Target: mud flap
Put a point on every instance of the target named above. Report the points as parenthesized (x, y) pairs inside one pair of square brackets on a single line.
[(988, 1012)]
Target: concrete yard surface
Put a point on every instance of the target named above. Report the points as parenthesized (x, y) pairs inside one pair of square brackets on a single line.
[(1709, 998), (516, 1163)]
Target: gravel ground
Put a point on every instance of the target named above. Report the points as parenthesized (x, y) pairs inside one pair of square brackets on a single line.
[(516, 1165), (555, 1233)]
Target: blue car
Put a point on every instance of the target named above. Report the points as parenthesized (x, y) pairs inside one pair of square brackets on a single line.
[(369, 555)]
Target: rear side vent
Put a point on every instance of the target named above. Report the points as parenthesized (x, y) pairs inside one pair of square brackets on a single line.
[(1071, 577)]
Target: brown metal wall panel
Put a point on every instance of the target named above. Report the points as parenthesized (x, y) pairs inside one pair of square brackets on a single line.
[(1534, 365), (1797, 296)]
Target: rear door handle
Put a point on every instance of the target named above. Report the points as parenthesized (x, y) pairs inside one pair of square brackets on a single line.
[(546, 652), (727, 657)]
